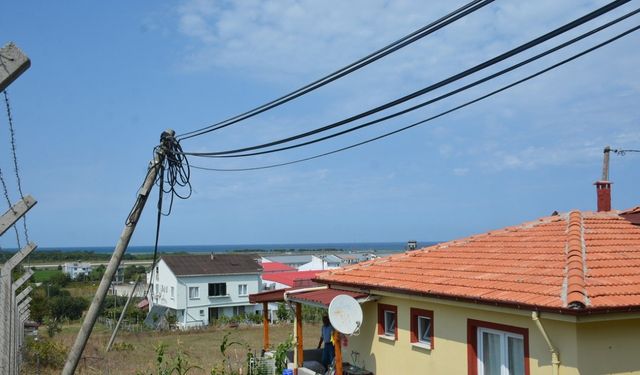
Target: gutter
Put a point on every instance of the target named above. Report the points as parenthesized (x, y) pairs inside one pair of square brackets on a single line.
[(555, 356)]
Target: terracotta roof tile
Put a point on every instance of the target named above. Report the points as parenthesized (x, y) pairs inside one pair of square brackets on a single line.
[(579, 260)]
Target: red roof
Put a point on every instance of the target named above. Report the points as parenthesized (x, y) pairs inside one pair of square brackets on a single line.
[(580, 261), (276, 267), (322, 297), (290, 278)]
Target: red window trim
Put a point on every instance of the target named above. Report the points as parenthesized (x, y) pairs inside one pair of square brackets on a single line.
[(381, 309), (415, 313), (472, 342)]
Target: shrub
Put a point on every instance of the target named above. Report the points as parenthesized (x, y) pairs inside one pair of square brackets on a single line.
[(283, 313), (46, 353)]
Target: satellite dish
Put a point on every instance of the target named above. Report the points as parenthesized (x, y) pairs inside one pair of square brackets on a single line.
[(345, 314)]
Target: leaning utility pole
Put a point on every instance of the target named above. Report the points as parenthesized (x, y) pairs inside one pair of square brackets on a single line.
[(121, 247)]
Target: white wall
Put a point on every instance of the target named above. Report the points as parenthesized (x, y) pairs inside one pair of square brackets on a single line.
[(197, 309)]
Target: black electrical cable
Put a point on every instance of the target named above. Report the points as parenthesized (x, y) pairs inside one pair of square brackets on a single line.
[(398, 44), (436, 99), (540, 72), (569, 26), (175, 173)]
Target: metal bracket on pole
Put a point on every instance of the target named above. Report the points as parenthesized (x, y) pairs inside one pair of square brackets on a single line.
[(12, 64), (15, 213)]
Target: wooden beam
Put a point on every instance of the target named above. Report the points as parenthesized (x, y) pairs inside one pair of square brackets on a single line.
[(15, 213), (299, 335), (12, 64), (265, 325), (337, 346)]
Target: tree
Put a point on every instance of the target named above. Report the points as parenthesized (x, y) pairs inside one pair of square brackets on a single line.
[(283, 313), (97, 273)]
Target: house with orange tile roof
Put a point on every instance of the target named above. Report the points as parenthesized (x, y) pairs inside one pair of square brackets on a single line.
[(558, 295)]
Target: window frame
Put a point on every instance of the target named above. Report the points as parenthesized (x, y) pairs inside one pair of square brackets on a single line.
[(217, 288), (197, 292), (246, 290), (475, 326), (173, 292), (382, 308), (415, 338)]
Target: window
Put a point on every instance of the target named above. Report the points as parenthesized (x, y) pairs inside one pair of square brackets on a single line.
[(238, 310), (194, 292), (173, 291), (242, 289), (217, 289), (201, 312), (387, 321), (157, 274), (422, 328), (497, 349)]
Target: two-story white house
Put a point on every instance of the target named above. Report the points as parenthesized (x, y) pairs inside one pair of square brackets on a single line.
[(76, 269), (201, 288)]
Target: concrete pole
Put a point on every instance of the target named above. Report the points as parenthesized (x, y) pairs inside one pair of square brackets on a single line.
[(7, 305), (92, 314), (124, 311)]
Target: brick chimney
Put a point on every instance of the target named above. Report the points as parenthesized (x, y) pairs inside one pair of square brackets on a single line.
[(603, 189)]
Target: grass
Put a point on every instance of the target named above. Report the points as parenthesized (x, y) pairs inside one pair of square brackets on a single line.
[(201, 346), (43, 275)]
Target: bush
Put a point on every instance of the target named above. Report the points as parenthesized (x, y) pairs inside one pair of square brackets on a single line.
[(71, 308), (46, 353), (283, 312), (122, 347)]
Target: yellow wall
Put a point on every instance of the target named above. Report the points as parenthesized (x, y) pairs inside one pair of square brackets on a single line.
[(449, 355), (611, 347)]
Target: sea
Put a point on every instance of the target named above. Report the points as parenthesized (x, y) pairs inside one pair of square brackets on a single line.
[(382, 247)]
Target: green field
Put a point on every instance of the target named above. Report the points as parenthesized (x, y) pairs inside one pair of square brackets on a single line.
[(43, 275)]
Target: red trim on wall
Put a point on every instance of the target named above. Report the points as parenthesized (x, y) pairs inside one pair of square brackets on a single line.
[(415, 313), (381, 308), (472, 342)]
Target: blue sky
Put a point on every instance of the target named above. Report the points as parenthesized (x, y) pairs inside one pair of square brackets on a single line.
[(108, 77)]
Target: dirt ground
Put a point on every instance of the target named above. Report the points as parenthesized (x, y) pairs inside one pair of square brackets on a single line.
[(201, 347)]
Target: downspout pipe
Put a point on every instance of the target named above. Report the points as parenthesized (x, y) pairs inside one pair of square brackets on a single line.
[(555, 356)]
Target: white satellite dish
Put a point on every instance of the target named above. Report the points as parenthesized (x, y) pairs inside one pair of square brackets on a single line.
[(345, 314)]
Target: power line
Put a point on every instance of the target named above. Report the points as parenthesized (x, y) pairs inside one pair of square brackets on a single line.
[(540, 72), (569, 26), (398, 44), (444, 96), (623, 152)]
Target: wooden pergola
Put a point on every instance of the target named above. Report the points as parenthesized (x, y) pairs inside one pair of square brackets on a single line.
[(315, 296)]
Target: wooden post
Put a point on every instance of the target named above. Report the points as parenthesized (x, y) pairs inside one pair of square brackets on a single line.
[(265, 325), (337, 346), (299, 335)]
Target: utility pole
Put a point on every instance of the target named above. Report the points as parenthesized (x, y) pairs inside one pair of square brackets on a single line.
[(92, 314), (124, 311)]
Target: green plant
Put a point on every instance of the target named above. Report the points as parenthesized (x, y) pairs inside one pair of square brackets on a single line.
[(45, 353), (165, 365), (53, 326), (283, 312), (171, 319), (281, 354)]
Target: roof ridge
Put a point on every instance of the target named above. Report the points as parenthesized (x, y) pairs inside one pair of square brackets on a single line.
[(576, 292)]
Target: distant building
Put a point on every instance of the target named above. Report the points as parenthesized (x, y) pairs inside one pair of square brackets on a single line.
[(412, 245), (306, 262), (76, 269), (199, 289)]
